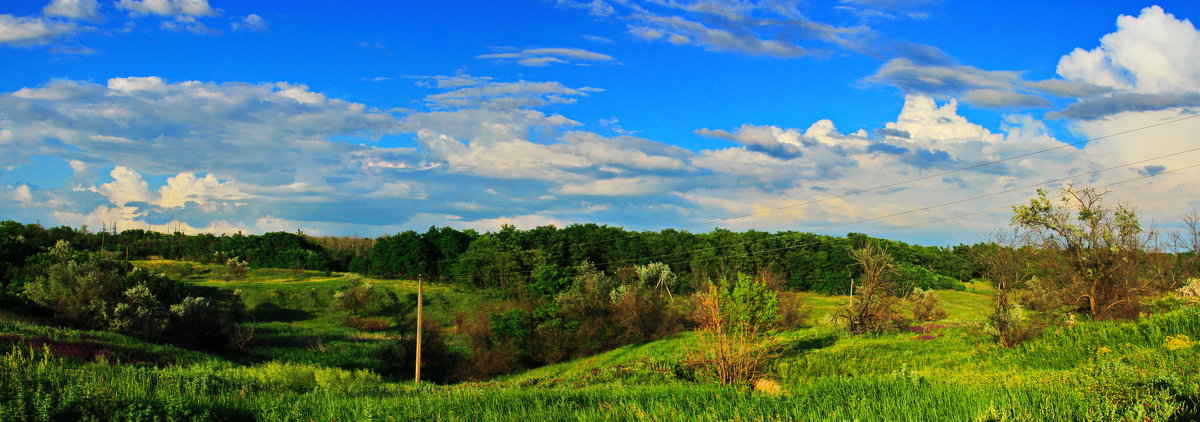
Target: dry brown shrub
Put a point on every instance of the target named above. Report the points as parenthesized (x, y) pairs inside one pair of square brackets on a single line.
[(488, 357), (769, 387), (369, 325), (793, 312), (774, 280)]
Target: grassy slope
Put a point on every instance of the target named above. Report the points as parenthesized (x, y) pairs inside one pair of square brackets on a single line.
[(295, 321), (1096, 371)]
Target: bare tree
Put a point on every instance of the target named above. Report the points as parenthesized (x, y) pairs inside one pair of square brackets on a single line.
[(872, 306), (1007, 266)]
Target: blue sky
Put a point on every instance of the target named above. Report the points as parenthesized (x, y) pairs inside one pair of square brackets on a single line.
[(373, 117)]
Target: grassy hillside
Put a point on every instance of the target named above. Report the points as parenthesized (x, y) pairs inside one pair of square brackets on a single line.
[(307, 365)]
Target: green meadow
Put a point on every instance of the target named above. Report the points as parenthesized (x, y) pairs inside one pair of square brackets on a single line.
[(306, 364)]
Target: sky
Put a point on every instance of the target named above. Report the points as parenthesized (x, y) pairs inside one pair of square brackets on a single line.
[(917, 120)]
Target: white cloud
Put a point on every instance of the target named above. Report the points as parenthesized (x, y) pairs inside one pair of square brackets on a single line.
[(127, 186), (1152, 62), (536, 57), (1151, 53), (188, 23), (923, 119), (22, 195), (251, 22), (31, 30), (257, 133), (524, 222), (167, 7), (186, 187), (617, 186), (74, 9)]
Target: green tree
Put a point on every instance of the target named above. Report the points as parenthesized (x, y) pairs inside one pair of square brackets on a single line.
[(78, 286), (1093, 250)]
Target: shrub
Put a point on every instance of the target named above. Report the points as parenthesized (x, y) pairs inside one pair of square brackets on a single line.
[(356, 295), (77, 286), (793, 312), (397, 359), (640, 313), (925, 305), (910, 276), (140, 315), (488, 355), (736, 335), (235, 269), (368, 324), (198, 323), (1190, 291)]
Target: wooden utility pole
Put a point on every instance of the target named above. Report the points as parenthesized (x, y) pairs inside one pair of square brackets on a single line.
[(420, 299)]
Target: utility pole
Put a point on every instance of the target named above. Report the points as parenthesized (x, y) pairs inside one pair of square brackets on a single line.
[(420, 299)]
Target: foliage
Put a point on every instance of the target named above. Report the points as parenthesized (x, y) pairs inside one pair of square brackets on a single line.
[(140, 314), (397, 358), (925, 306), (657, 275), (356, 295), (736, 330), (873, 306), (1190, 291), (78, 286), (235, 269), (1092, 250)]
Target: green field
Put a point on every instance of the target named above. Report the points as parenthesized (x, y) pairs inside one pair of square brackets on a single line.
[(307, 365)]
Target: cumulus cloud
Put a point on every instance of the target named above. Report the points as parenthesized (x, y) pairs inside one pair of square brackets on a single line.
[(31, 30), (251, 22), (1152, 62), (1151, 53), (185, 23), (186, 187), (537, 57), (167, 7), (74, 9), (767, 139), (269, 133), (252, 157)]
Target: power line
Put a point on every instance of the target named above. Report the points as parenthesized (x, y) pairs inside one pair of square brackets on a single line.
[(693, 260), (931, 206), (904, 182), (938, 220), (974, 166)]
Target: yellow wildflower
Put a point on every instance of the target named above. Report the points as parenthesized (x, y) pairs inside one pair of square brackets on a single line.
[(1178, 342)]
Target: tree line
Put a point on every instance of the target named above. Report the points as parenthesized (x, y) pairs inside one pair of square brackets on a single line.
[(542, 259)]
